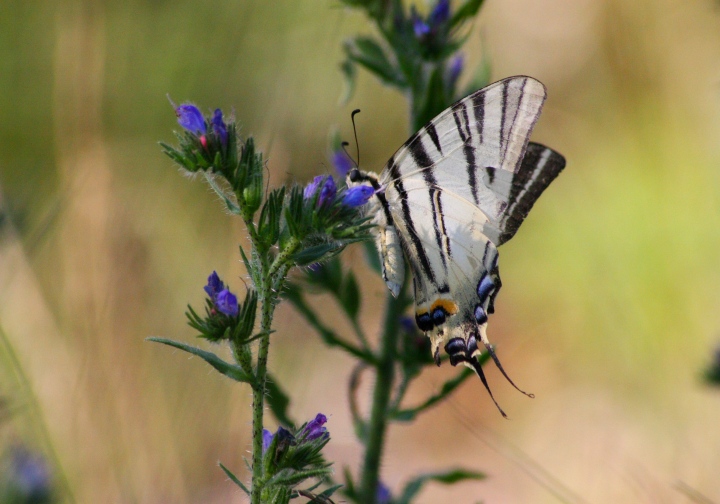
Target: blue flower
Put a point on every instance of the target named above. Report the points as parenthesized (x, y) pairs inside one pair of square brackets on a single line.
[(456, 68), (382, 495), (267, 439), (327, 191), (420, 28), (312, 187), (227, 303), (357, 196), (440, 14), (219, 127), (326, 185), (30, 476), (214, 286), (438, 17), (342, 163), (314, 429), (190, 118), (407, 324)]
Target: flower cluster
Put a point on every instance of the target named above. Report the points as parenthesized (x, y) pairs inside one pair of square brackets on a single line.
[(324, 189), (293, 456), (436, 21), (225, 318), (419, 56)]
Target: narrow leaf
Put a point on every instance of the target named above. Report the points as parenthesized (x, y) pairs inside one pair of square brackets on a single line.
[(278, 401), (229, 203), (314, 254), (447, 478), (467, 10), (350, 298), (349, 73), (230, 370), (368, 53), (448, 387), (234, 478)]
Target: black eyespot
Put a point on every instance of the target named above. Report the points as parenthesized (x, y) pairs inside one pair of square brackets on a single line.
[(455, 346), (485, 287), (424, 322), (438, 316), (480, 315), (472, 345)]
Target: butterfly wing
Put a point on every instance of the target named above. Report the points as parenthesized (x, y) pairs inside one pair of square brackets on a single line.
[(455, 191)]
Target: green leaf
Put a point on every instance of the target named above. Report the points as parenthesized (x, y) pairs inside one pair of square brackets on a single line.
[(349, 484), (278, 401), (350, 297), (293, 477), (314, 254), (406, 415), (234, 478), (433, 100), (350, 76), (368, 53), (467, 10), (229, 203), (247, 315), (230, 370), (447, 478), (293, 294), (372, 256)]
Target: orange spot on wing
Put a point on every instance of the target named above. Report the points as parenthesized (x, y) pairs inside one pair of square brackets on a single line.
[(447, 304)]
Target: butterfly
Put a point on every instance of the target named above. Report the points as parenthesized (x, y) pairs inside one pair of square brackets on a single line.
[(454, 192)]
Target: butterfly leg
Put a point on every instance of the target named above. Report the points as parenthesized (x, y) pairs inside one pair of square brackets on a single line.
[(491, 351), (473, 364), (459, 352)]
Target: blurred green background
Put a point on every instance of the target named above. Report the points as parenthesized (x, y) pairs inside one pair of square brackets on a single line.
[(610, 307)]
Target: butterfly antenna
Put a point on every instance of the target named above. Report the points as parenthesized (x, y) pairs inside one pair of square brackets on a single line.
[(491, 351), (344, 148), (357, 145), (478, 369)]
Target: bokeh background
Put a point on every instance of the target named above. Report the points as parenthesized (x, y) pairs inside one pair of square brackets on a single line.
[(610, 309)]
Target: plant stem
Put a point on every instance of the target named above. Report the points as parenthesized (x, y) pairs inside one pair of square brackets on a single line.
[(258, 404), (381, 398), (271, 276)]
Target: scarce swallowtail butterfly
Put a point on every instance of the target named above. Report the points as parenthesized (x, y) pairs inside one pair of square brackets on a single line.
[(454, 192)]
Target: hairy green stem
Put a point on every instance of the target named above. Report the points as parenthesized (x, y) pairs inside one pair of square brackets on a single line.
[(381, 398), (272, 278)]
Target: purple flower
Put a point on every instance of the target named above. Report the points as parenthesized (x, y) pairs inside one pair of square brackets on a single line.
[(407, 324), (314, 429), (420, 28), (456, 68), (190, 118), (382, 495), (312, 187), (327, 191), (326, 185), (267, 439), (357, 196), (227, 303), (341, 162), (214, 286), (219, 127), (440, 14), (30, 475)]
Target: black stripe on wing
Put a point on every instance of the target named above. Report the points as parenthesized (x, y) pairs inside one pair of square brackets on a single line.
[(540, 166), (423, 161), (408, 220)]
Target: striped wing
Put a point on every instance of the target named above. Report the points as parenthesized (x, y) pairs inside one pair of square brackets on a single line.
[(469, 164), (457, 189)]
